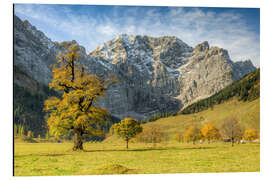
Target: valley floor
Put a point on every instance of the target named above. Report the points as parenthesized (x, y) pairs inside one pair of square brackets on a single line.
[(50, 159)]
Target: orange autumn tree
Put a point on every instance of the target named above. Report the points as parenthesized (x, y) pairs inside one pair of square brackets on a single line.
[(210, 132), (179, 137), (76, 110), (192, 134), (251, 134), (151, 134)]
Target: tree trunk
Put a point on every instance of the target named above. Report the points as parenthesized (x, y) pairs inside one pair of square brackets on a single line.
[(127, 143), (78, 141), (232, 141)]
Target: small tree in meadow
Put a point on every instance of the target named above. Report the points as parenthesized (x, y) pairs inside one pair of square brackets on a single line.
[(18, 130), (210, 132), (179, 137), (231, 129), (192, 134), (21, 130), (151, 134), (127, 128), (47, 135), (29, 133), (251, 134)]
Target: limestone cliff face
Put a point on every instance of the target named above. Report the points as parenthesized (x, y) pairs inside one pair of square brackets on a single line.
[(146, 86), (207, 71), (166, 66), (156, 74)]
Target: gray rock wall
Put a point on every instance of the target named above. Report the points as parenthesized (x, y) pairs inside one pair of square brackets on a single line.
[(156, 74)]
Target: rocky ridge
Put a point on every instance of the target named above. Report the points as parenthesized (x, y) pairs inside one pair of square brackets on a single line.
[(156, 74)]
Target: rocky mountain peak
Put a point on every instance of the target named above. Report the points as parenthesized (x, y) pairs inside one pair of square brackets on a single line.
[(145, 50), (28, 25), (219, 51), (38, 34), (204, 46), (157, 74)]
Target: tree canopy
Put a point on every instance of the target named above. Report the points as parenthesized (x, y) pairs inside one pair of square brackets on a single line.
[(210, 132), (127, 129), (192, 134), (231, 129), (251, 134), (151, 134), (179, 137), (77, 109)]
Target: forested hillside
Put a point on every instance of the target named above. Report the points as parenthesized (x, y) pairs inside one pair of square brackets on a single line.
[(246, 89), (28, 103)]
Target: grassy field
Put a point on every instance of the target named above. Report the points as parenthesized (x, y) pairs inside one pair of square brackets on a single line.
[(111, 157), (39, 159), (247, 114)]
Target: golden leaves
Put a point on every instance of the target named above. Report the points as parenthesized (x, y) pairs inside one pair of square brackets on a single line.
[(210, 132), (77, 107), (127, 128), (51, 103), (251, 134), (192, 134)]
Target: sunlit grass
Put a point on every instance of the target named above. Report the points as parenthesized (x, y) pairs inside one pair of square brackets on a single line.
[(111, 157), (38, 159), (247, 113)]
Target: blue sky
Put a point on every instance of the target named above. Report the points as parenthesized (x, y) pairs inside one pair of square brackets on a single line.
[(235, 29)]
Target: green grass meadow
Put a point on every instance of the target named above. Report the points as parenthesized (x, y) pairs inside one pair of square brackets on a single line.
[(111, 157), (50, 159)]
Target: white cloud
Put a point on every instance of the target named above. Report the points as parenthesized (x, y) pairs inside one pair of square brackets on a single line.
[(107, 30), (228, 30)]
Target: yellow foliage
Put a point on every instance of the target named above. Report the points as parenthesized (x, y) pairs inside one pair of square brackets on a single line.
[(76, 110), (192, 134), (151, 134), (29, 134), (127, 128), (210, 132), (179, 137), (251, 134)]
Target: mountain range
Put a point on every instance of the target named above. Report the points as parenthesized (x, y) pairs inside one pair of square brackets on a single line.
[(157, 74)]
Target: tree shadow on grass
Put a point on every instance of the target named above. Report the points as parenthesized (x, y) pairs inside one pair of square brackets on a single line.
[(127, 150), (190, 148), (101, 150), (118, 150), (29, 155), (150, 149), (195, 148)]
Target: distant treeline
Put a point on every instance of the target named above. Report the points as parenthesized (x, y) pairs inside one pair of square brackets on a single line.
[(245, 89), (28, 108), (158, 116)]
